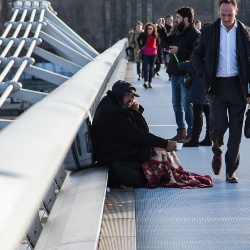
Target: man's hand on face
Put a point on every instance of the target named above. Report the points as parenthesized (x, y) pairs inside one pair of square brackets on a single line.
[(171, 146), (135, 105)]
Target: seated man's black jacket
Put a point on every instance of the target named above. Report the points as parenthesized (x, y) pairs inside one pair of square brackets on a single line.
[(121, 133)]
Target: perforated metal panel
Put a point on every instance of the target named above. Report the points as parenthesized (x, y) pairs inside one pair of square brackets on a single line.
[(175, 219)]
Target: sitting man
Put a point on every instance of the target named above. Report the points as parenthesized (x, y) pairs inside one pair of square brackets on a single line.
[(121, 138)]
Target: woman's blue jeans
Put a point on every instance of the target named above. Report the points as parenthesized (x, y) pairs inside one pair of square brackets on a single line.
[(183, 109)]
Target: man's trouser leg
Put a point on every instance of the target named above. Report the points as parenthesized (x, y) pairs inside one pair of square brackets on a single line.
[(227, 110)]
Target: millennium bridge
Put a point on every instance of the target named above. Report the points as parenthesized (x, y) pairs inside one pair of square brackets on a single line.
[(51, 195)]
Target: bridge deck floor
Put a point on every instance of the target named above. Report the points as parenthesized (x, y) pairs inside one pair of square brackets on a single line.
[(168, 218)]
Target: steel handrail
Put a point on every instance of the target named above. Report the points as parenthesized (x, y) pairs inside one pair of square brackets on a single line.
[(34, 146)]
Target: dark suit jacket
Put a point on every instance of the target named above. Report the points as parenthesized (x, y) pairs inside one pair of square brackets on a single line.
[(206, 55)]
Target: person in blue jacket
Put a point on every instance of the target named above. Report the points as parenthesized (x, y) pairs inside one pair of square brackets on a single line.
[(197, 96)]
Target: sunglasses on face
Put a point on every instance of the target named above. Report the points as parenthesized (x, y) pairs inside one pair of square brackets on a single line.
[(149, 28)]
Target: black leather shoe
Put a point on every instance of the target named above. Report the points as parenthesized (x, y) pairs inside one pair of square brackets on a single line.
[(191, 143), (206, 142), (232, 178), (145, 85), (217, 164), (150, 85)]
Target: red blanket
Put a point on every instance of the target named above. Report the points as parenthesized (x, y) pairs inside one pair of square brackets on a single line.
[(165, 170)]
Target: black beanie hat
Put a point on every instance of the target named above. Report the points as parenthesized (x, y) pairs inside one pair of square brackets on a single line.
[(121, 87)]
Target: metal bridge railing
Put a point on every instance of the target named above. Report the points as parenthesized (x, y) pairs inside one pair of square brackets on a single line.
[(33, 24), (33, 147)]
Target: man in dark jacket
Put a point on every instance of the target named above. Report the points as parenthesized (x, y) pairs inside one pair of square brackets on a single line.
[(121, 138), (182, 44), (120, 132), (222, 59)]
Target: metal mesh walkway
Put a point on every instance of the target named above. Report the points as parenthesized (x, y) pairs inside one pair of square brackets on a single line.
[(174, 219)]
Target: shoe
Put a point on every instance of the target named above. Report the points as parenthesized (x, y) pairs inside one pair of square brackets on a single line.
[(217, 164), (126, 188), (139, 77), (181, 135), (232, 178), (206, 142), (186, 139), (150, 85), (191, 143), (157, 73), (145, 85)]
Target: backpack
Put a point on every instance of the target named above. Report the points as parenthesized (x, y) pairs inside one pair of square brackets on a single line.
[(80, 154)]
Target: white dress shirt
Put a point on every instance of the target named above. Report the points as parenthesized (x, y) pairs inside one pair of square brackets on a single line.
[(227, 65)]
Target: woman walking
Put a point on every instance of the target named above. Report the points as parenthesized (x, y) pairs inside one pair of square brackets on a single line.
[(148, 42)]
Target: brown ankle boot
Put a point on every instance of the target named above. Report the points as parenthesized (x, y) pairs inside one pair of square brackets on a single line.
[(186, 139), (181, 135)]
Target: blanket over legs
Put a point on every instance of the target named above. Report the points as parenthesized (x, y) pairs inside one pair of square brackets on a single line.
[(165, 170)]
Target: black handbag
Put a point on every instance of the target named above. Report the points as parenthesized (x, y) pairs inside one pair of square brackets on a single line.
[(247, 123), (188, 80), (139, 54)]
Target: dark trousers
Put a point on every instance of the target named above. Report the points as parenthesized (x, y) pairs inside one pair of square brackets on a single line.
[(148, 63), (198, 110), (138, 68), (197, 122), (227, 107), (157, 68), (130, 53)]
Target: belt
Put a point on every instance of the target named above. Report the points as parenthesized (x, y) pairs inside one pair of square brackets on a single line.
[(228, 77)]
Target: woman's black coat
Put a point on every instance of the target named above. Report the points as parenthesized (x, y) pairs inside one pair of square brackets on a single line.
[(121, 133)]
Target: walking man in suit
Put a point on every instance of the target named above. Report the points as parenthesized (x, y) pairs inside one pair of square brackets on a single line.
[(222, 58)]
